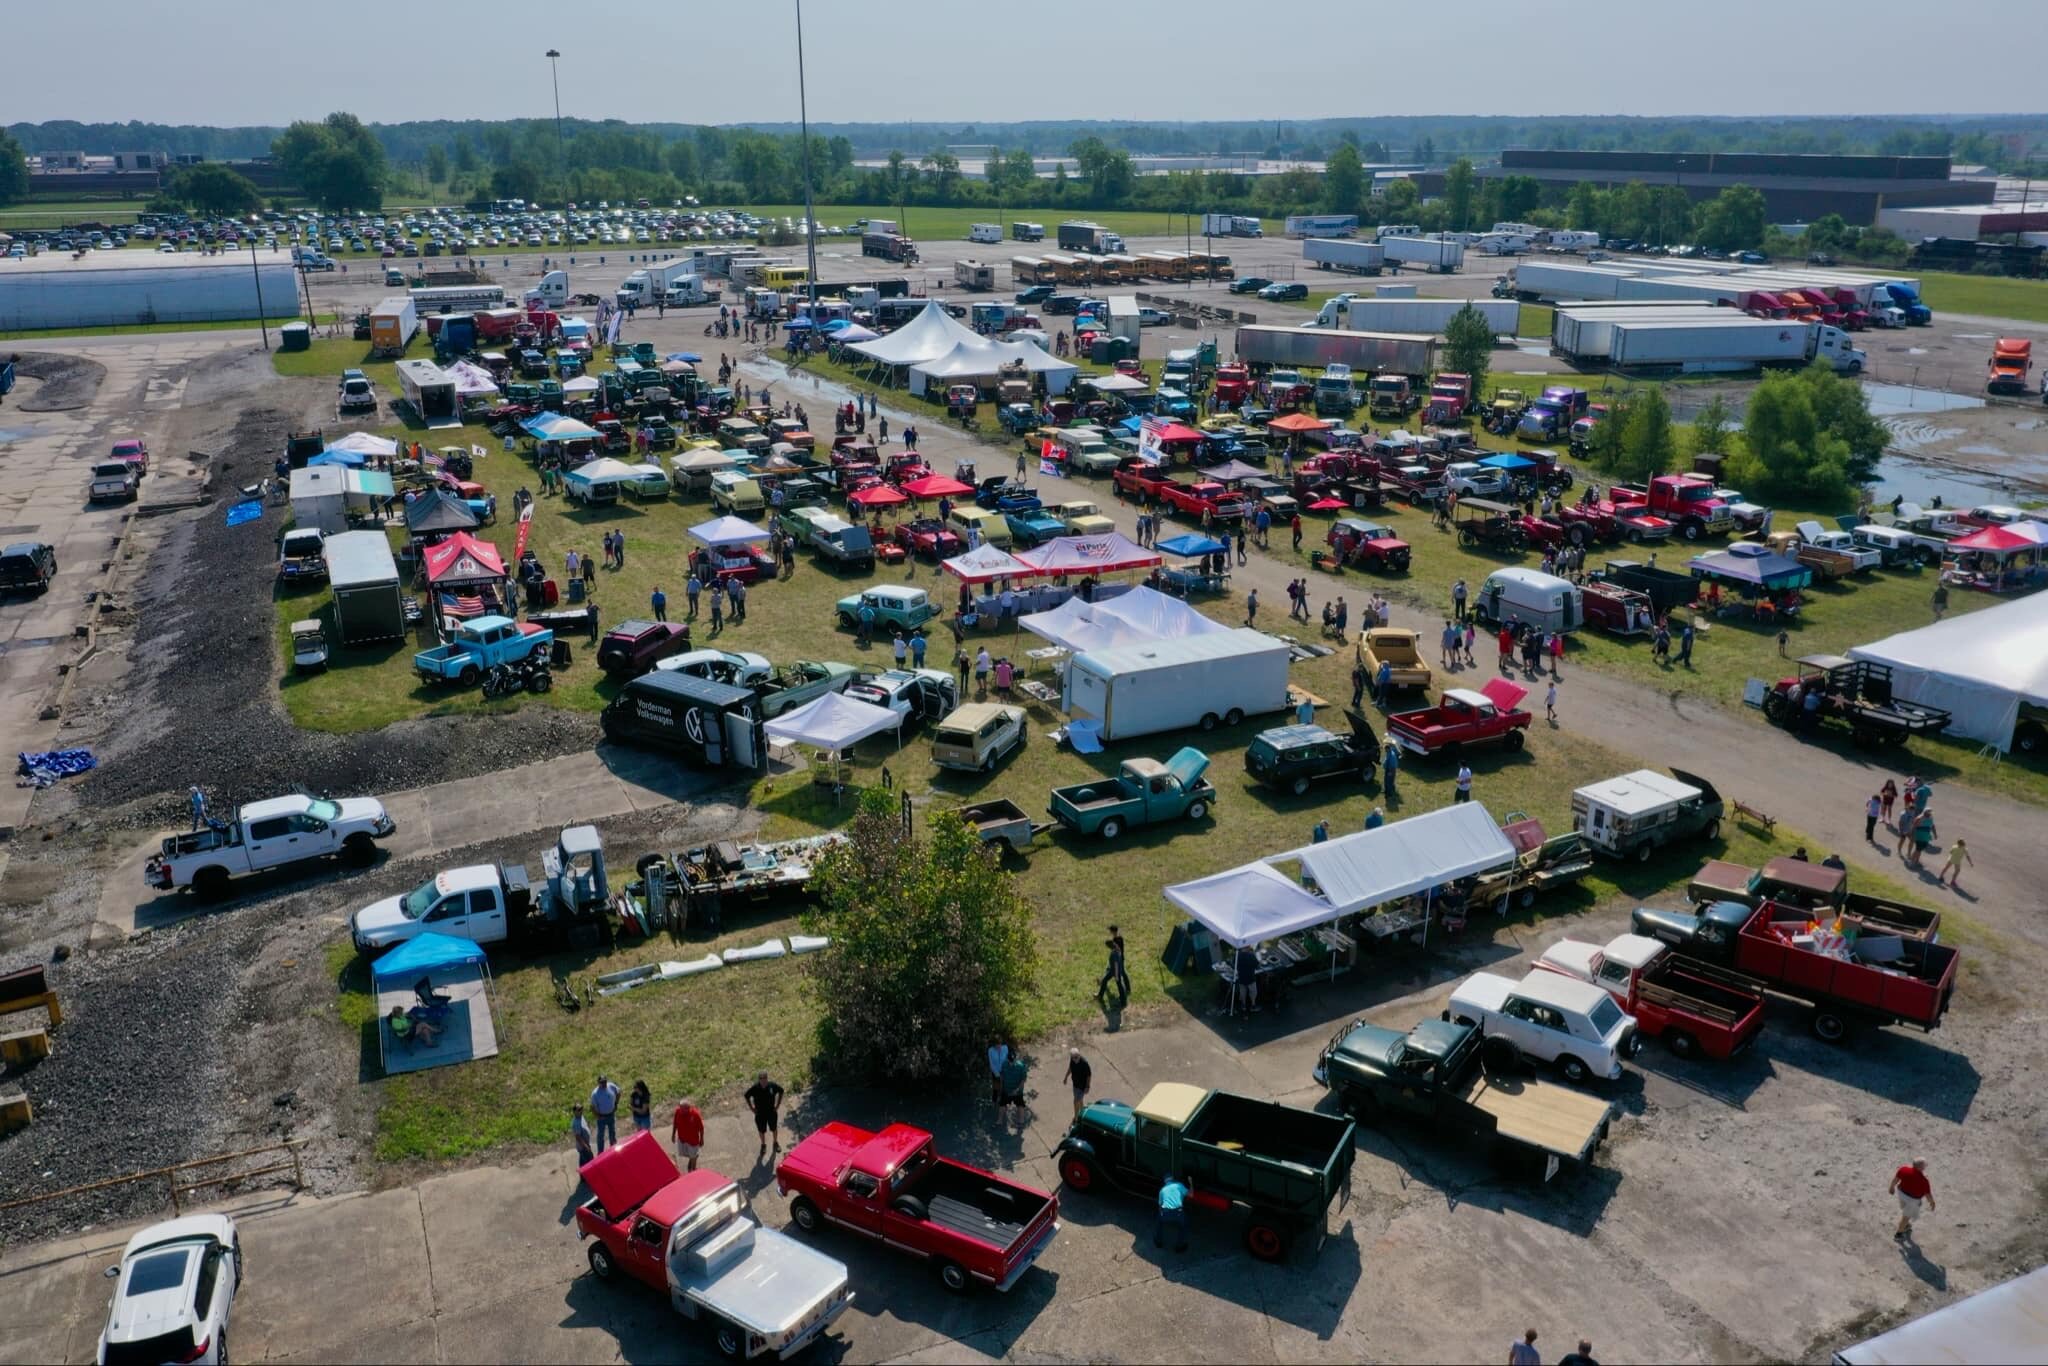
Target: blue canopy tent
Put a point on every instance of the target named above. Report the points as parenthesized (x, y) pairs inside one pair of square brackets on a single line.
[(1189, 579), (691, 356), (1190, 544), (346, 459), (799, 325), (1508, 462), (456, 973)]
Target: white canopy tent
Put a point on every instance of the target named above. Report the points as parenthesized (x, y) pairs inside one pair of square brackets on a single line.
[(1059, 374), (1372, 867), (931, 334), (601, 471), (582, 384), (986, 562), (1250, 904), (1071, 627), (1982, 666), (472, 381), (1156, 614), (834, 722), (728, 531), (968, 360), (1116, 384), (362, 443)]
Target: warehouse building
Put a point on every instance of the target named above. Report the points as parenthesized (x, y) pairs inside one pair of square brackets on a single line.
[(1796, 188), (1975, 222), (116, 288)]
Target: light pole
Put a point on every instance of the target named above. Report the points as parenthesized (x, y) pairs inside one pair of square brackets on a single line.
[(555, 76), (262, 320), (804, 123)]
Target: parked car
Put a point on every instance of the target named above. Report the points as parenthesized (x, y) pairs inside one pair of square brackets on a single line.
[(739, 668), (173, 1292), (978, 736), (1286, 289), (269, 834), (1249, 284), (1290, 758), (1037, 294), (1154, 317), (1143, 792), (1575, 1026), (633, 647)]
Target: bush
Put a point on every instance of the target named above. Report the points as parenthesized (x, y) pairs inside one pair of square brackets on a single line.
[(931, 948)]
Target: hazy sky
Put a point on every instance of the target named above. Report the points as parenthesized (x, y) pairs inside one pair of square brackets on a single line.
[(958, 61)]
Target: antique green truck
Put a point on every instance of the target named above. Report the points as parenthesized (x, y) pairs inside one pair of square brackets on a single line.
[(1144, 792)]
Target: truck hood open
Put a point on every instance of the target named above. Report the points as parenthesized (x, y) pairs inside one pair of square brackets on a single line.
[(1504, 693), (624, 1176), (1188, 766)]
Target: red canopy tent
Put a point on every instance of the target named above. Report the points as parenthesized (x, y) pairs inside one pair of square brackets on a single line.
[(2000, 539), (1298, 422), (937, 486), (463, 559), (1090, 555), (1176, 431), (878, 496)]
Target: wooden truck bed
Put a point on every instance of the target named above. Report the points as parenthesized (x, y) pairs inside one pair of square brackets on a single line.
[(1552, 1118)]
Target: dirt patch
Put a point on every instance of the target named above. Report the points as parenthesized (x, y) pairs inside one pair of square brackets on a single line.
[(63, 382)]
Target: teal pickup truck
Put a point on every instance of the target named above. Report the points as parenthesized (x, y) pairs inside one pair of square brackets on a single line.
[(1144, 792), (482, 644), (1280, 1165)]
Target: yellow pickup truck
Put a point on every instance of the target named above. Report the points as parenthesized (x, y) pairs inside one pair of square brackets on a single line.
[(1400, 648)]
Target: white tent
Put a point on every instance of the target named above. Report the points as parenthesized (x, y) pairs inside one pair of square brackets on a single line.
[(986, 562), (1250, 905), (582, 384), (702, 460), (931, 334), (1116, 384), (728, 531), (602, 471), (362, 443), (472, 381), (1982, 666), (1372, 867), (971, 359), (1059, 374), (834, 722), (1071, 626), (1156, 614)]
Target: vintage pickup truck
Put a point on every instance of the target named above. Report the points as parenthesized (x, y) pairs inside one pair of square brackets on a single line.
[(1402, 649), (1862, 557), (1464, 718), (1792, 882), (480, 644), (1281, 1165), (1575, 1027), (1144, 792), (1435, 1074), (756, 1291), (975, 1228), (1831, 690), (269, 834), (1826, 562), (1699, 1011)]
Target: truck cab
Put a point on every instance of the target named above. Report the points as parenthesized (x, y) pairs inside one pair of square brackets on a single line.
[(1144, 792), (480, 903), (1696, 1010)]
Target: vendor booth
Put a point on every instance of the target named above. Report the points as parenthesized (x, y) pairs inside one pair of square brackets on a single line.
[(835, 723), (1207, 569), (1998, 559), (1755, 575), (734, 548), (433, 1004), (363, 444), (987, 563), (1089, 555), (437, 512), (598, 481), (1988, 669), (467, 579), (369, 605)]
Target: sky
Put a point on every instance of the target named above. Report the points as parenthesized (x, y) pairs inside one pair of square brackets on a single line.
[(960, 61)]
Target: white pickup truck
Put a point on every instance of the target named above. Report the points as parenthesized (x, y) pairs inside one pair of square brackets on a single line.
[(1864, 556), (480, 903), (266, 835), (1575, 1026), (113, 481)]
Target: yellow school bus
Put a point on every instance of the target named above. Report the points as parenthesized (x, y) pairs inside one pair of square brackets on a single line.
[(1072, 270), (785, 277), (1029, 270)]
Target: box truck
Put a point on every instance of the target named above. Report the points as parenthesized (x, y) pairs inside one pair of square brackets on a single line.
[(1360, 258), (1742, 344), (984, 232), (1557, 282), (1322, 224), (1368, 353), (1214, 679), (392, 325), (1027, 232), (1427, 253), (1584, 332), (1219, 224)]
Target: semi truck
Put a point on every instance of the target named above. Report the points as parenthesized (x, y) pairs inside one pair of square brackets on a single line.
[(1367, 353), (1322, 224), (1205, 680), (1231, 225), (1434, 254), (1561, 282), (393, 324), (890, 246), (1426, 316), (1092, 238), (1585, 332), (2011, 360), (1741, 344), (1359, 258)]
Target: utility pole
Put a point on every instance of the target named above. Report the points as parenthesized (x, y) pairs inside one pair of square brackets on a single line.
[(262, 320), (804, 122), (561, 156)]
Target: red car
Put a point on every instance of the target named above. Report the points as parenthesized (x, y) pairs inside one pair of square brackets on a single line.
[(134, 452), (1464, 718), (971, 1225), (928, 536), (1360, 544), (1541, 532)]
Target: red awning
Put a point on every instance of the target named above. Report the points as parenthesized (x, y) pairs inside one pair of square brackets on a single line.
[(1995, 538), (937, 486), (1298, 422), (1174, 431), (878, 496), (464, 559)]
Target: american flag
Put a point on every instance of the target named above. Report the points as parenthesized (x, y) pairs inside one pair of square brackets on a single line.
[(462, 604)]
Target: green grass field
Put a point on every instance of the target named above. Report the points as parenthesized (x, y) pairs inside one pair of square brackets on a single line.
[(1987, 296), (139, 329)]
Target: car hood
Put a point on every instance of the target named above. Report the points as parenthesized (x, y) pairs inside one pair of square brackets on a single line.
[(382, 922), (361, 809)]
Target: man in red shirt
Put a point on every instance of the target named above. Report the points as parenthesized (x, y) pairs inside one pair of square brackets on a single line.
[(688, 1129), (1910, 1184)]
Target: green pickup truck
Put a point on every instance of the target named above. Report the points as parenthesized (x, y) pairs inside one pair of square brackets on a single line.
[(1280, 1165), (1144, 792)]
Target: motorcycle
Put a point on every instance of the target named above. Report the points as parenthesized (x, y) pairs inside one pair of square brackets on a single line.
[(529, 675)]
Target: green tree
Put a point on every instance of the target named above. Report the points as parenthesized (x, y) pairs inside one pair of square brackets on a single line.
[(932, 950), (942, 169), (13, 170), (1515, 197), (1785, 451), (213, 188), (1459, 195), (1648, 445), (1842, 411), (338, 162), (1607, 448), (1343, 180), (1400, 199), (1711, 426), (520, 180), (1733, 220), (437, 165), (1468, 346), (1020, 173), (465, 154), (1586, 209)]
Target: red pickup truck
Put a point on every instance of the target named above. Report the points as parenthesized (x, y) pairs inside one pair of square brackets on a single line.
[(1464, 718), (1698, 1011), (1222, 503), (974, 1227), (1687, 501), (1233, 382), (1140, 478)]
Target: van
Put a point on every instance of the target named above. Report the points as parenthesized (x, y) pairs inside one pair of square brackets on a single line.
[(713, 724), (970, 520), (1530, 597), (1630, 816), (734, 492), (985, 232), (978, 736)]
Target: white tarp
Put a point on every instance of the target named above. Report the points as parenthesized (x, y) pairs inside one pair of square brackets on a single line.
[(1372, 867), (582, 384), (472, 381), (1981, 666), (1251, 904), (702, 460), (728, 531), (362, 443), (931, 334), (833, 722), (1156, 614), (602, 471)]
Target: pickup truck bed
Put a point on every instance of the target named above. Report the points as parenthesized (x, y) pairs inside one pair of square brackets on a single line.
[(1551, 1118), (1091, 798)]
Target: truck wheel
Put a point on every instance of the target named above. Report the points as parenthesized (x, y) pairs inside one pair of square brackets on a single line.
[(805, 1215), (1299, 787), (467, 678), (1197, 810), (359, 850), (1526, 898), (1711, 831), (601, 1264), (1077, 1172), (728, 1339), (1775, 707), (1830, 1027), (1111, 828), (1643, 851), (1209, 720), (1499, 1057), (2030, 738), (1682, 1044), (1691, 531), (955, 1278), (210, 884), (1576, 535), (1573, 1071), (1267, 1242), (847, 621), (1514, 740)]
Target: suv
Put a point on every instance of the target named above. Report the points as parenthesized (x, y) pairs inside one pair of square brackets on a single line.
[(27, 565), (633, 647), (174, 1287), (1573, 1025), (1291, 757), (1036, 294)]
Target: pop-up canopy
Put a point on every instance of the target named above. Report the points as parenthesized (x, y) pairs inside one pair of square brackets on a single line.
[(463, 559), (1090, 555), (728, 531), (986, 562), (363, 443), (602, 471), (834, 722)]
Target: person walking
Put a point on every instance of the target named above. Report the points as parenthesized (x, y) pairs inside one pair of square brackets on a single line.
[(1507, 649), (764, 1098), (1383, 683), (1939, 602), (1911, 1186), (1524, 1353), (197, 798), (1582, 1357), (641, 1105), (1390, 770), (998, 1059), (1251, 606), (1958, 855), (918, 644), (718, 610), (1358, 680), (737, 590), (579, 1130), (1458, 591), (982, 664), (1464, 792), (687, 1130), (1923, 836), (1242, 557), (1888, 794), (1447, 645), (1114, 972), (1079, 1075), (1555, 646), (589, 573), (1685, 645), (1550, 703), (690, 590), (604, 1103), (1872, 811), (659, 601), (1264, 523), (618, 550), (1471, 635), (1173, 1194), (1294, 525)]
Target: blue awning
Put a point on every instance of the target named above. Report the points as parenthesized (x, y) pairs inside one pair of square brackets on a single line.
[(1190, 544), (1508, 460), (427, 953)]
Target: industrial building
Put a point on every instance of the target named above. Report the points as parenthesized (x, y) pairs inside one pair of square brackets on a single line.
[(1975, 222), (1796, 188), (55, 290)]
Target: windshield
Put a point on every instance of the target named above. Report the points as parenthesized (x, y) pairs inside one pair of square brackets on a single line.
[(1605, 1016), (323, 810), (420, 899)]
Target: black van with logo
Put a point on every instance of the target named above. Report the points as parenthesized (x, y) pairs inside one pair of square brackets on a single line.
[(712, 724)]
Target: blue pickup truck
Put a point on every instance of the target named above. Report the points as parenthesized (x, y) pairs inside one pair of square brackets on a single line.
[(482, 644)]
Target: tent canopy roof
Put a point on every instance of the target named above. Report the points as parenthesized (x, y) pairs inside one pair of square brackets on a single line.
[(462, 558), (1372, 867), (835, 721), (728, 531), (1981, 666), (928, 336), (363, 443), (1251, 903), (1090, 555), (601, 471), (987, 561), (437, 510), (425, 953), (1157, 614)]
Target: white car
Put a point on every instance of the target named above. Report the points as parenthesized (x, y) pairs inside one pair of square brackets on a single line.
[(1470, 479), (740, 668), (1574, 1026), (175, 1286)]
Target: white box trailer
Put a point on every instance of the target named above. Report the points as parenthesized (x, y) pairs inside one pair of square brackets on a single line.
[(1359, 258), (1711, 289), (1322, 224), (1207, 680), (1586, 331), (431, 392), (1218, 224), (1427, 253), (984, 232), (1557, 282), (1741, 344), (1318, 348), (1431, 316)]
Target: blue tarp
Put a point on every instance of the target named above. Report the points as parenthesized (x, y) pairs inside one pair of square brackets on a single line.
[(48, 766), (427, 953), (1190, 544), (245, 512), (331, 456), (1770, 570), (1508, 460)]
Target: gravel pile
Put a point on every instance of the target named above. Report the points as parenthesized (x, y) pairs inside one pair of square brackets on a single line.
[(67, 382), (200, 703)]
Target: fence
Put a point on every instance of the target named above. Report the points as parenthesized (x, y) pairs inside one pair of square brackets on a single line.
[(178, 1188)]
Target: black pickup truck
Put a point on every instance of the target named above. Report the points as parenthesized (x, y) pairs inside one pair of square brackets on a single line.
[(1435, 1074)]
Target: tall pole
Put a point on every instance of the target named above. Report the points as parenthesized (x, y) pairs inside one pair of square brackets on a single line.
[(561, 156), (262, 320), (804, 122)]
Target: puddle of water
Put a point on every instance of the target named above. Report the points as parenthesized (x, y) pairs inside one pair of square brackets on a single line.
[(16, 433), (1888, 399), (1533, 350)]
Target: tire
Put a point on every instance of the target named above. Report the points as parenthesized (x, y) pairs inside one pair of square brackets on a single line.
[(359, 850), (729, 1340), (1828, 1026), (1711, 831), (1498, 1056), (210, 884), (1691, 531), (1077, 1173), (602, 1264), (220, 1350), (1641, 853), (543, 681), (1197, 810), (805, 1215), (1776, 707), (1299, 787), (1234, 716), (2030, 739), (1209, 719), (1266, 1242), (910, 1207), (467, 678), (849, 621), (1682, 1044), (1514, 740), (1572, 1070), (1111, 828), (1526, 898)]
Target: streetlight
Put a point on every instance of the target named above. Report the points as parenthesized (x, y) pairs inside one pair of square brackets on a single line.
[(804, 122), (555, 75), (262, 320)]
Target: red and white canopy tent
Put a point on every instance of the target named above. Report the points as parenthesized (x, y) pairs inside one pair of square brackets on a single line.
[(1104, 554), (985, 563), (466, 576)]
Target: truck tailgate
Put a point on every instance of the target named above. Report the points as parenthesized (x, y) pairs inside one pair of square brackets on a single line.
[(1554, 1119)]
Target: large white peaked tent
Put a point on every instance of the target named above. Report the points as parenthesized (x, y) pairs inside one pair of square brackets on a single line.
[(931, 334), (1981, 666)]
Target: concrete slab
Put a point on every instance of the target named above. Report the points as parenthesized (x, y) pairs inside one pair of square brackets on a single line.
[(368, 1253), (399, 1344), (491, 1238)]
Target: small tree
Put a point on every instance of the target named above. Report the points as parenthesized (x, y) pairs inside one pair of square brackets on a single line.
[(1607, 447), (13, 170), (1468, 346), (1711, 425), (931, 947), (214, 189), (1786, 452), (1648, 445)]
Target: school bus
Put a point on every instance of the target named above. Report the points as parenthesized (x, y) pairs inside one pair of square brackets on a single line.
[(1208, 265), (1029, 270), (1072, 270), (785, 277)]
